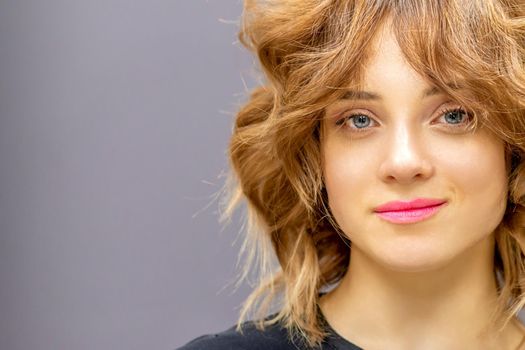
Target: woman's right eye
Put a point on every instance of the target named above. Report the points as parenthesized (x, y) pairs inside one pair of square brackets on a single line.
[(356, 122)]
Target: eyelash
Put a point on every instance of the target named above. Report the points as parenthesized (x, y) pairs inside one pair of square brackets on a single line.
[(468, 116)]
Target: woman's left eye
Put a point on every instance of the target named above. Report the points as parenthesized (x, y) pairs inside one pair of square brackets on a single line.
[(455, 116)]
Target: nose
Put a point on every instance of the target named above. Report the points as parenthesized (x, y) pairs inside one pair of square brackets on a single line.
[(405, 157)]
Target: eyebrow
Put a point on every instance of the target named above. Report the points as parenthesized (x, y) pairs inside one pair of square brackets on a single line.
[(371, 96)]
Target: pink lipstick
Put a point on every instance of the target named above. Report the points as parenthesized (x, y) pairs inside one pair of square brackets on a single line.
[(404, 212)]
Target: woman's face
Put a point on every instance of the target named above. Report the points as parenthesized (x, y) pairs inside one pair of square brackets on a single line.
[(399, 140)]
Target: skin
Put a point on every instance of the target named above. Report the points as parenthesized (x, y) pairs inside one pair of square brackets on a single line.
[(426, 285)]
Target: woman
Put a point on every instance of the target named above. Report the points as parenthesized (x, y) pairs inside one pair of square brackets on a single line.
[(382, 165)]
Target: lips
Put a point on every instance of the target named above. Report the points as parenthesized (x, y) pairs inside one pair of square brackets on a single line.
[(407, 212), (417, 203)]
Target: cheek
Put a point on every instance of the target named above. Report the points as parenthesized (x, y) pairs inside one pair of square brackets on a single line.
[(478, 166), (349, 177), (343, 171), (478, 177)]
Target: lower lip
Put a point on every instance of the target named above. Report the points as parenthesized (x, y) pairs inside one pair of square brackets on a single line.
[(410, 216)]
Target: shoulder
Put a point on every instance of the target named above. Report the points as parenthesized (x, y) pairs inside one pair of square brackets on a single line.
[(272, 337)]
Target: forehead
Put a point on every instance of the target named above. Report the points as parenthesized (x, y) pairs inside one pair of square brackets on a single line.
[(386, 59), (387, 71)]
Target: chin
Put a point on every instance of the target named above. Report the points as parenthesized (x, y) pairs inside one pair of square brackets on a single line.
[(414, 258)]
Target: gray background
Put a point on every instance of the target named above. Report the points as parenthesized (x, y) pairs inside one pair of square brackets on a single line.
[(115, 116)]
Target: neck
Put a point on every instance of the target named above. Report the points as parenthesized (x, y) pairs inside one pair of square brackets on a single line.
[(447, 306)]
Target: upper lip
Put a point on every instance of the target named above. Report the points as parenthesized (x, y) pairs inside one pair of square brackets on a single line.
[(410, 204)]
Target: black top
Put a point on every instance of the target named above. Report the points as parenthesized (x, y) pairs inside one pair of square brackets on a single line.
[(273, 337)]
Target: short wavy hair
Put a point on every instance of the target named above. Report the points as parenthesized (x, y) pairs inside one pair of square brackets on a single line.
[(311, 52)]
